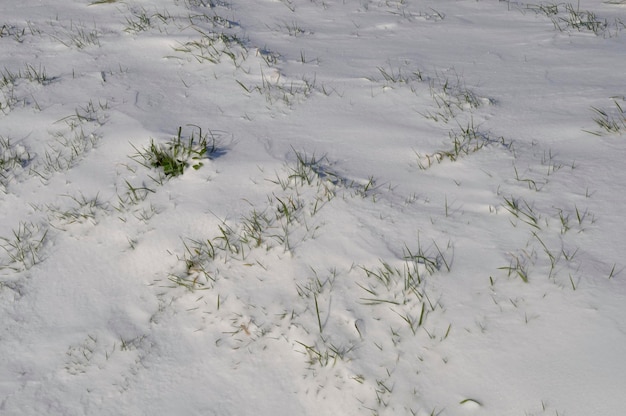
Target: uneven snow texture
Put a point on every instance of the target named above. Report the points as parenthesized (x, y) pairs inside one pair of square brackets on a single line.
[(309, 207)]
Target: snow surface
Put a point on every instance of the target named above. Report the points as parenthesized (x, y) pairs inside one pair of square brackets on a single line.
[(333, 253)]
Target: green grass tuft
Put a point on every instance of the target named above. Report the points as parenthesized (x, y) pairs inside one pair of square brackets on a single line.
[(176, 155)]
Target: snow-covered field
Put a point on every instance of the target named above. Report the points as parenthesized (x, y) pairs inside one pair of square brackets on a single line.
[(312, 207)]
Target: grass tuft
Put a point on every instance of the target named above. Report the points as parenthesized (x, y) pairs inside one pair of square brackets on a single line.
[(176, 155), (611, 121), (13, 157), (23, 248)]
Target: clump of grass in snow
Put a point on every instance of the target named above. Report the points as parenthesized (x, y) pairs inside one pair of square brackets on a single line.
[(611, 121), (519, 265), (398, 284), (451, 98), (211, 47), (400, 76), (176, 155), (10, 85), (275, 90), (541, 255), (23, 248), (130, 200), (12, 158), (83, 209), (522, 210), (579, 20), (197, 259), (191, 4), (293, 29), (323, 349), (89, 113), (326, 355), (79, 356), (72, 142), (30, 72), (17, 33), (8, 99), (69, 149), (307, 169), (310, 169), (566, 16), (79, 36), (548, 251), (141, 21), (466, 140), (263, 229)]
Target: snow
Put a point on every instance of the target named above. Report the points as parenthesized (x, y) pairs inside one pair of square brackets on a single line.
[(404, 208)]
